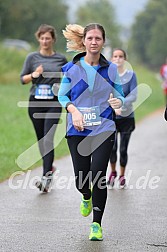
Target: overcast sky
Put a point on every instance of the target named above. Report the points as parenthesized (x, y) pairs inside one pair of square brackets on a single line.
[(126, 10)]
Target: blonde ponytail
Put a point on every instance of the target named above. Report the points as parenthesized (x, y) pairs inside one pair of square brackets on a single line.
[(74, 35)]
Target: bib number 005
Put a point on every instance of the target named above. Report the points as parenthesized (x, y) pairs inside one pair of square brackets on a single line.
[(91, 115)]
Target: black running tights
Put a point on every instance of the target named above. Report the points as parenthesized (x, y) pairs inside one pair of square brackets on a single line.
[(45, 126), (90, 156), (124, 142)]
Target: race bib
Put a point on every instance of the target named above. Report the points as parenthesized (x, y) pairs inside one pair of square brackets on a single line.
[(44, 91), (91, 115)]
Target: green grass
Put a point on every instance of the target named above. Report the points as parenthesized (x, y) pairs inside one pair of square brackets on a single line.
[(156, 99), (17, 133), (10, 65)]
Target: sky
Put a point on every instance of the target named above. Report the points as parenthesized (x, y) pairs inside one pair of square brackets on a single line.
[(126, 10)]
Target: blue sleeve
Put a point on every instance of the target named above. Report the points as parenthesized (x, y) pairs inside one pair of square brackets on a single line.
[(64, 91), (118, 90), (132, 96)]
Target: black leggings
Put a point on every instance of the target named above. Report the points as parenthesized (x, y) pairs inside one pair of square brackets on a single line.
[(45, 128), (90, 156), (124, 141)]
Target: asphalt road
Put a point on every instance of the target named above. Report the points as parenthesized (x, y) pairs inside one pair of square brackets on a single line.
[(135, 218)]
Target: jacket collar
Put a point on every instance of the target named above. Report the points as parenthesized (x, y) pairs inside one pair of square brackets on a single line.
[(102, 61)]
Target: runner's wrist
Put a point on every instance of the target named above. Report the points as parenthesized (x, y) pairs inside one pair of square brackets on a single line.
[(71, 108)]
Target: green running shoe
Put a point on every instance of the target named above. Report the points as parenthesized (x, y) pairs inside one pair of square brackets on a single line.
[(86, 207), (95, 232)]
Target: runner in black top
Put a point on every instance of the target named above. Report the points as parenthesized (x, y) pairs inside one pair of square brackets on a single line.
[(43, 69)]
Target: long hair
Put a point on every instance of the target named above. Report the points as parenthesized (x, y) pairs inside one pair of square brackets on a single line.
[(75, 34)]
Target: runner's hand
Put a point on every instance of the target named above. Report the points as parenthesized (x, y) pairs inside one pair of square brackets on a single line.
[(37, 72), (118, 111), (78, 120), (115, 103), (39, 69)]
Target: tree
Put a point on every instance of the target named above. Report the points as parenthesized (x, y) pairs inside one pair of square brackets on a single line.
[(157, 49), (149, 35), (100, 11), (21, 18)]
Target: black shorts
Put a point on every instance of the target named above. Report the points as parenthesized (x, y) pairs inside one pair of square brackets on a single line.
[(125, 124)]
